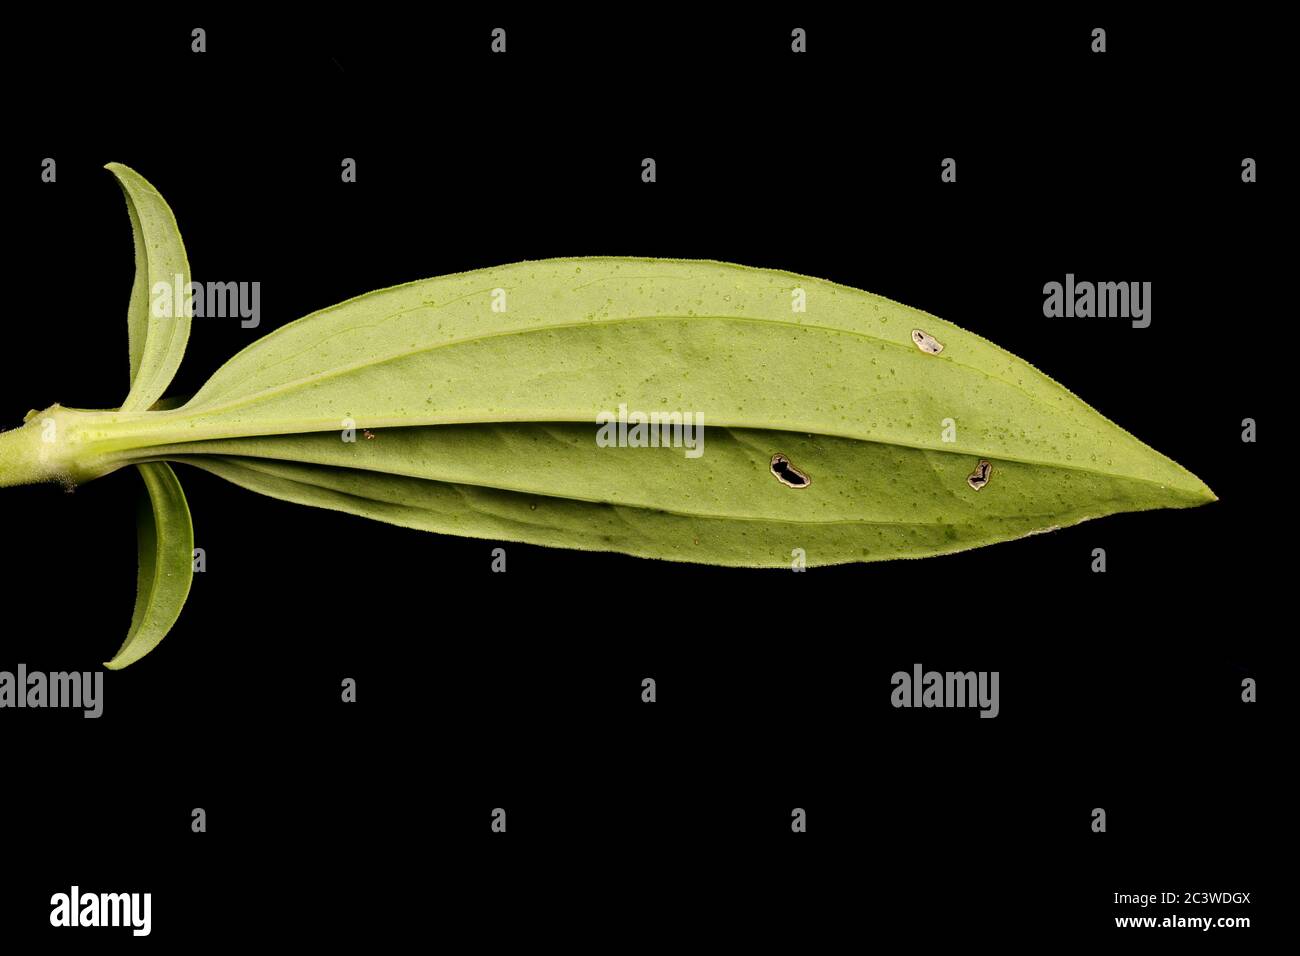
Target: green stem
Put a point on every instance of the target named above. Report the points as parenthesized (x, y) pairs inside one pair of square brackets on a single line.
[(24, 457), (58, 444)]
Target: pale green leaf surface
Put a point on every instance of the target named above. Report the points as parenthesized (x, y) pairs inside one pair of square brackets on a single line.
[(581, 336), (867, 501), (166, 569), (156, 343), (852, 480)]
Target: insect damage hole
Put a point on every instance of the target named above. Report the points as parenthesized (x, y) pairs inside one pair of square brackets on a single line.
[(980, 476), (787, 473), (926, 342)]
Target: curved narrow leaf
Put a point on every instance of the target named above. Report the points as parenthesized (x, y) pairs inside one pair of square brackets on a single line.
[(867, 500), (166, 569), (897, 502), (158, 321)]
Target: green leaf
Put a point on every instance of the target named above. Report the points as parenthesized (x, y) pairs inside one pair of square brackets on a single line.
[(552, 485), (889, 410), (582, 336), (156, 336), (166, 568)]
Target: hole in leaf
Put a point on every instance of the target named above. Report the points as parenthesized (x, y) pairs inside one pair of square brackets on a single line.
[(787, 473), (980, 476)]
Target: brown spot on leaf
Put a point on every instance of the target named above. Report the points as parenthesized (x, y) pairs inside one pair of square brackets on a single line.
[(787, 473), (980, 476)]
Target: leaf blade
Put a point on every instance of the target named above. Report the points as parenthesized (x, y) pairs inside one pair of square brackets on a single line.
[(867, 501), (166, 570), (156, 343), (708, 337)]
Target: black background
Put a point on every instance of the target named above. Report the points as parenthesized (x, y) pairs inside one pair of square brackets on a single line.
[(626, 821)]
